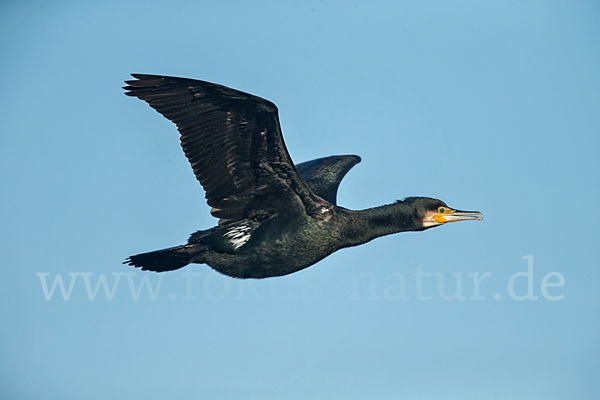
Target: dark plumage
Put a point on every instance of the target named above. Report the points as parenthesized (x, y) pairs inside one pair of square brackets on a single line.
[(274, 218)]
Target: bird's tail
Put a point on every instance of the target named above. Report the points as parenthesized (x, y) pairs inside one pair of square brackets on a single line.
[(166, 259)]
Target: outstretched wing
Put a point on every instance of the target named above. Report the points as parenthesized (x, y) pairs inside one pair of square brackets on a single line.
[(233, 141), (323, 175)]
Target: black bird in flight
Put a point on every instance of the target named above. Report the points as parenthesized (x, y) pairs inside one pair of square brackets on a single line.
[(275, 218)]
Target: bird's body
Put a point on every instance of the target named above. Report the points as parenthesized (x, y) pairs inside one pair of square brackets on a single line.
[(276, 247), (275, 218)]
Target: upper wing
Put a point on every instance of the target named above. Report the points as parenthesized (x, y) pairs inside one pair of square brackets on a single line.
[(323, 175), (233, 141)]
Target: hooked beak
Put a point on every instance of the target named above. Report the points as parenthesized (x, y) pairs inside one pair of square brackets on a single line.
[(463, 216), (457, 215)]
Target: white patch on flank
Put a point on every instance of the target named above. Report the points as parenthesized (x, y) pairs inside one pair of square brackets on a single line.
[(238, 235)]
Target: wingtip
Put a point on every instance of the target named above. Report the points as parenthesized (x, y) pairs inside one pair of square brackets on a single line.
[(352, 158), (136, 78), (130, 262), (129, 91), (141, 77)]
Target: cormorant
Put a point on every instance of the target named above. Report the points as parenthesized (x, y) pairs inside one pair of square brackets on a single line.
[(275, 218)]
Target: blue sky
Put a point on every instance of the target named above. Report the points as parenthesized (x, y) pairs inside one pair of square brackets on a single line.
[(493, 106)]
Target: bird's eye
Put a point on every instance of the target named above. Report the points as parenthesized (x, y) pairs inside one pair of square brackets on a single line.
[(441, 210)]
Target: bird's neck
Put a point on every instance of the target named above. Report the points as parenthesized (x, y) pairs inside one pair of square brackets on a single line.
[(366, 225)]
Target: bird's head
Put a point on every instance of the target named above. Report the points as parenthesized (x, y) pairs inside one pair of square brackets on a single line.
[(433, 212)]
